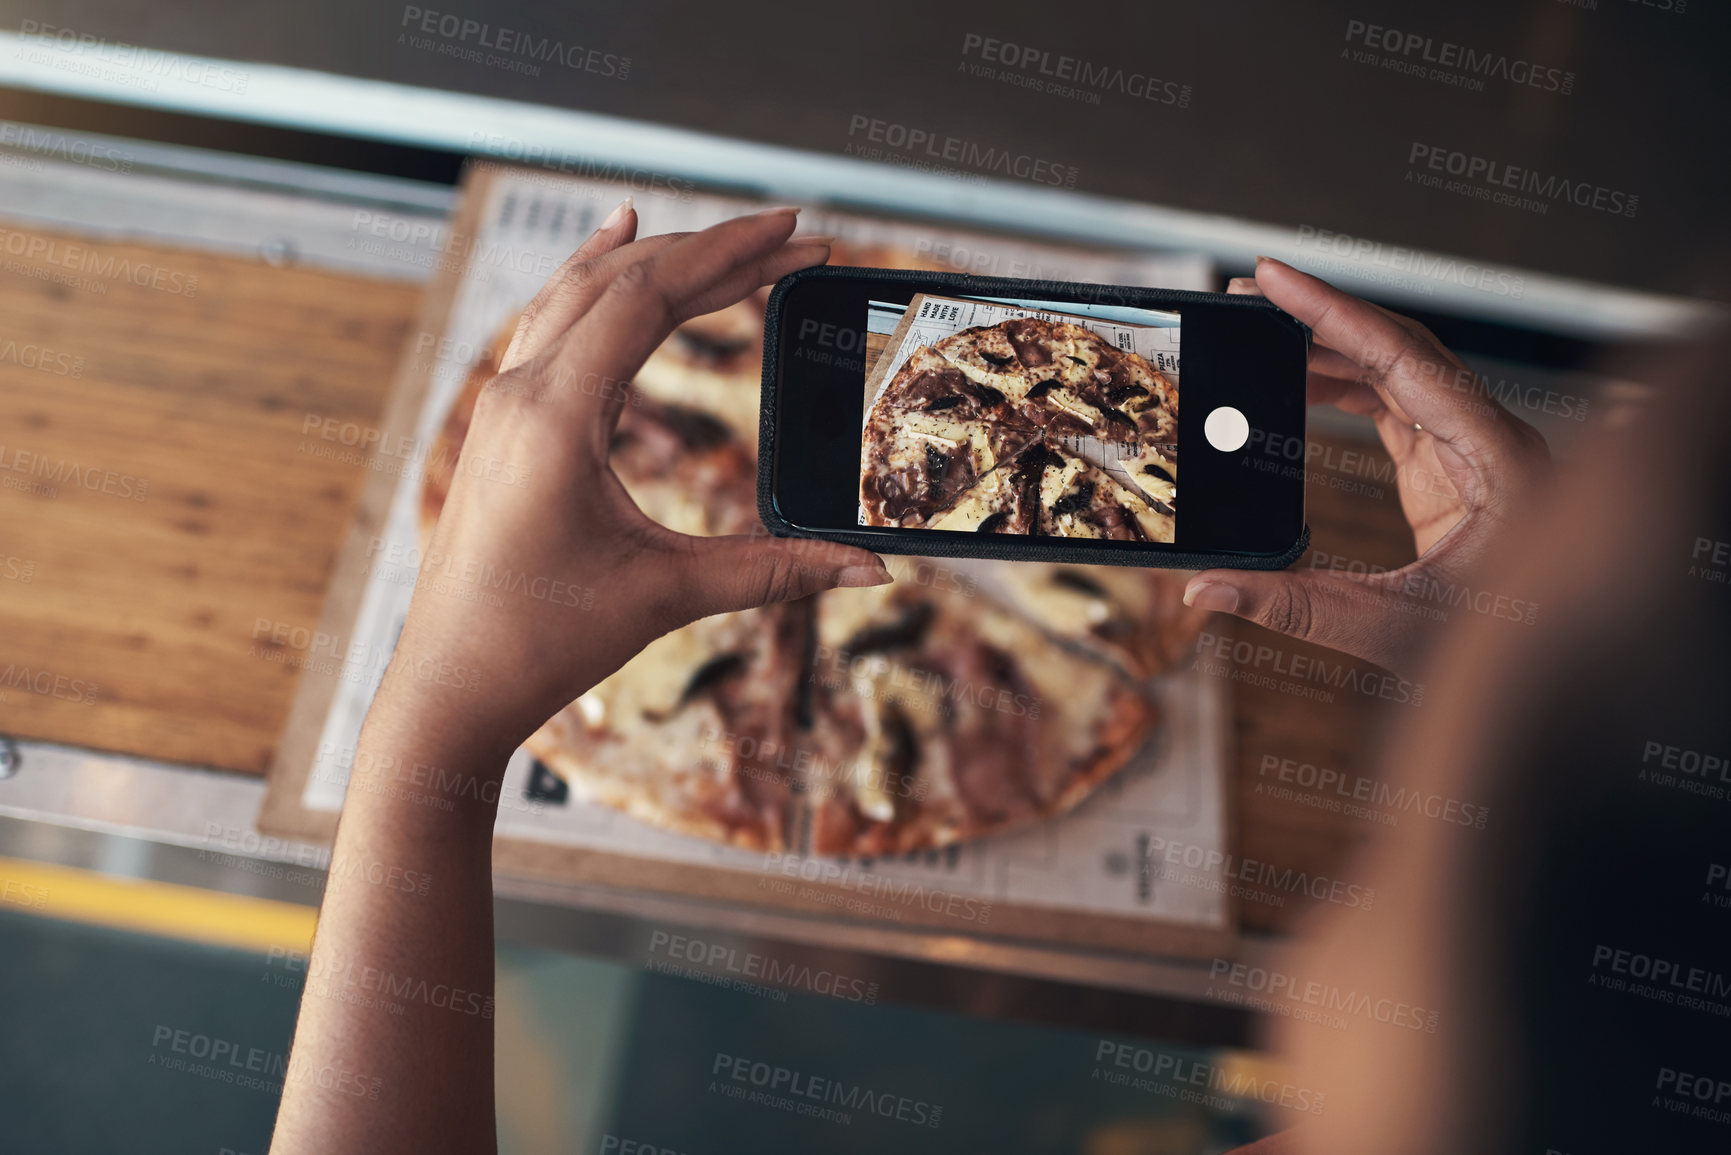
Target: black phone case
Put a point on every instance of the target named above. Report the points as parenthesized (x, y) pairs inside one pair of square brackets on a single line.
[(988, 545)]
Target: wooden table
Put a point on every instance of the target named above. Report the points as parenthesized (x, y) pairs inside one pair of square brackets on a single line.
[(1339, 735), (168, 505), (219, 523)]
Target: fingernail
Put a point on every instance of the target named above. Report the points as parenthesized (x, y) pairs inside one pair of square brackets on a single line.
[(778, 209), (822, 240), (863, 575), (618, 214), (1260, 258), (1213, 596)]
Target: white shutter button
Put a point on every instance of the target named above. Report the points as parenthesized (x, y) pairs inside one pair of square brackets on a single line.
[(1227, 429)]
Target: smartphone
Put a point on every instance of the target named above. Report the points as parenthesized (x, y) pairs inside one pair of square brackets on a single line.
[(960, 416)]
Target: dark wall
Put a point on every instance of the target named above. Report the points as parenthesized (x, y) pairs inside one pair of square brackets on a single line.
[(1262, 110)]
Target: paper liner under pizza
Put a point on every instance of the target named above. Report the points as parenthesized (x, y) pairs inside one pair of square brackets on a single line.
[(857, 722)]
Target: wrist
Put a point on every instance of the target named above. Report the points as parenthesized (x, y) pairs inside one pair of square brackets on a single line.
[(426, 753)]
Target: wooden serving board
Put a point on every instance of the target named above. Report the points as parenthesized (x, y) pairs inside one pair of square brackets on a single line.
[(142, 613)]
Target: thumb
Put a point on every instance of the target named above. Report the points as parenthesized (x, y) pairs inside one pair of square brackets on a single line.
[(1325, 608), (743, 571)]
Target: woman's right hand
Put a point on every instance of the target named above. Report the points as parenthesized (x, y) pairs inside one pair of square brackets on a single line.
[(1465, 469)]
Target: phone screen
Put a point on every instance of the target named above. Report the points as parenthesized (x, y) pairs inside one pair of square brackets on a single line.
[(915, 412), (1020, 416)]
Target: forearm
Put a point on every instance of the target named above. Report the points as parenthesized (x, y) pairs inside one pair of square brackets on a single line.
[(393, 1049)]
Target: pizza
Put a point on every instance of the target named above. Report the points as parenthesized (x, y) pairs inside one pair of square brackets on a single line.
[(702, 364), (859, 722), (942, 432), (935, 723), (970, 435), (1135, 619), (1068, 378)]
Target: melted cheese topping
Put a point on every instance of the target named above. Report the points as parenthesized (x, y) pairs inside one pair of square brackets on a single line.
[(842, 613), (875, 679), (917, 431), (1070, 403), (1072, 690), (1155, 524), (1153, 484), (1064, 609), (1055, 483), (653, 681), (1156, 487), (1012, 383), (1012, 380), (979, 503)]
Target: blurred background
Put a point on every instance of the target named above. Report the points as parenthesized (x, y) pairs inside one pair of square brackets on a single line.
[(243, 247)]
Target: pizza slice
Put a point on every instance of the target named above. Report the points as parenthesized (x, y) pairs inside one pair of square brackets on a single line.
[(1012, 357), (929, 437), (713, 363), (1079, 499), (1067, 379), (1135, 618), (1155, 472), (1023, 359), (1134, 401), (695, 734)]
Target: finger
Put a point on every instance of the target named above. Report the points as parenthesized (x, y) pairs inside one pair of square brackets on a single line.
[(535, 327), (601, 360), (1323, 361), (721, 574), (1410, 368), (699, 274), (583, 277), (1348, 394), (1333, 378), (1398, 436), (1318, 606), (1334, 363)]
